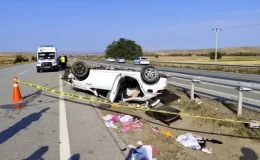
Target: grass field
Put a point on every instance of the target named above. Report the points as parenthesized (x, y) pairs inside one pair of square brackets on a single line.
[(7, 59), (243, 60), (238, 60), (228, 50)]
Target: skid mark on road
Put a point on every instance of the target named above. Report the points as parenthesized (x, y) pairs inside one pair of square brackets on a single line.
[(64, 135)]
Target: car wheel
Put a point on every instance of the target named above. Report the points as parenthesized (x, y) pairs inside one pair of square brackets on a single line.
[(38, 70), (149, 74), (80, 70)]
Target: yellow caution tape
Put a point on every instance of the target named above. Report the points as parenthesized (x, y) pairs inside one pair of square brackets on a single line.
[(126, 105)]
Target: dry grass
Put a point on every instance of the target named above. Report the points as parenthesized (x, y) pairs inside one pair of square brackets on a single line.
[(249, 60), (213, 68), (7, 59), (212, 108), (204, 51), (166, 147), (239, 60)]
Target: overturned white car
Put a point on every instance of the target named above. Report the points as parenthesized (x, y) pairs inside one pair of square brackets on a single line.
[(117, 84)]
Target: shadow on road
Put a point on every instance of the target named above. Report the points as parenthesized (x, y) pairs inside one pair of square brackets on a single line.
[(27, 100), (23, 123), (182, 129), (75, 157), (38, 154), (248, 154)]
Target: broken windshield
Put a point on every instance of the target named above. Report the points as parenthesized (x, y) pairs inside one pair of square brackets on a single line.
[(46, 55)]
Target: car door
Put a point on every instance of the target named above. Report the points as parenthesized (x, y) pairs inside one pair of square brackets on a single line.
[(115, 88)]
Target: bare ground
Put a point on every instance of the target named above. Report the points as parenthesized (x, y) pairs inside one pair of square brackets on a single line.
[(236, 137)]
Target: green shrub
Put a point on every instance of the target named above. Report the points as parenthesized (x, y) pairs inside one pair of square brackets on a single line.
[(212, 55)]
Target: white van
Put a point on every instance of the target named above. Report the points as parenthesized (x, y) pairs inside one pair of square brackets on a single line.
[(47, 58)]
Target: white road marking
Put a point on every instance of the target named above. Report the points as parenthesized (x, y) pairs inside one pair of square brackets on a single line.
[(8, 68), (64, 135), (22, 72), (13, 67)]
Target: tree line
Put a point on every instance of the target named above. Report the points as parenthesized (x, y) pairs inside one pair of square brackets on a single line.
[(129, 49)]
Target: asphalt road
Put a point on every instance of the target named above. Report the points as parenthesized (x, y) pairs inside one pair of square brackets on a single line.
[(48, 127), (214, 74)]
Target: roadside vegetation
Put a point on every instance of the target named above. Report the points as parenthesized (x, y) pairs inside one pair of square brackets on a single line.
[(211, 68), (9, 59), (123, 47)]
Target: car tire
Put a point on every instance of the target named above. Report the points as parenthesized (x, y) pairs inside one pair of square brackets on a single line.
[(38, 70), (80, 70), (150, 74)]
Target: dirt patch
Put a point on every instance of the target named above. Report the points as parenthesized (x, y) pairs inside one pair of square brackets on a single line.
[(166, 147), (214, 108), (226, 132)]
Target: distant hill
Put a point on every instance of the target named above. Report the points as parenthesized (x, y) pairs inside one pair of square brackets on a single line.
[(228, 50)]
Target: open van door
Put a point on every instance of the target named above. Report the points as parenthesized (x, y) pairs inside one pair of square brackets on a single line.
[(115, 88)]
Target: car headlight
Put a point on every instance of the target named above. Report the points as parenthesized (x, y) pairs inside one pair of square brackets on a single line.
[(54, 63)]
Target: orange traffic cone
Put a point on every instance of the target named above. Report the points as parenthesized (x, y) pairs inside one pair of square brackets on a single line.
[(16, 92)]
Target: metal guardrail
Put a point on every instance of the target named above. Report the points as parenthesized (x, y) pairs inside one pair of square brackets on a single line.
[(241, 87), (212, 64)]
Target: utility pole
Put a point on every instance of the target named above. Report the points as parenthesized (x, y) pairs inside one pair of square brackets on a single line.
[(216, 51)]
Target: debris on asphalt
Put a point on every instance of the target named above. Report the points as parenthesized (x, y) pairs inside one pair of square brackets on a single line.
[(141, 152)]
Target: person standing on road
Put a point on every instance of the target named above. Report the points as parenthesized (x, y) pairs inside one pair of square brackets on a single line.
[(62, 61), (66, 60), (59, 64)]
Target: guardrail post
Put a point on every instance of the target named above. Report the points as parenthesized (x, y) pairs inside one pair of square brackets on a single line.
[(240, 99), (239, 102), (192, 88)]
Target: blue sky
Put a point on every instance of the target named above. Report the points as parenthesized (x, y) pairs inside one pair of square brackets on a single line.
[(89, 25)]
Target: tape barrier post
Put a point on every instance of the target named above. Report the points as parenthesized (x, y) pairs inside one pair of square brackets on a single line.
[(125, 105)]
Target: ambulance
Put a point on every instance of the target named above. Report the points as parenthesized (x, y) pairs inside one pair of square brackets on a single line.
[(47, 58)]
